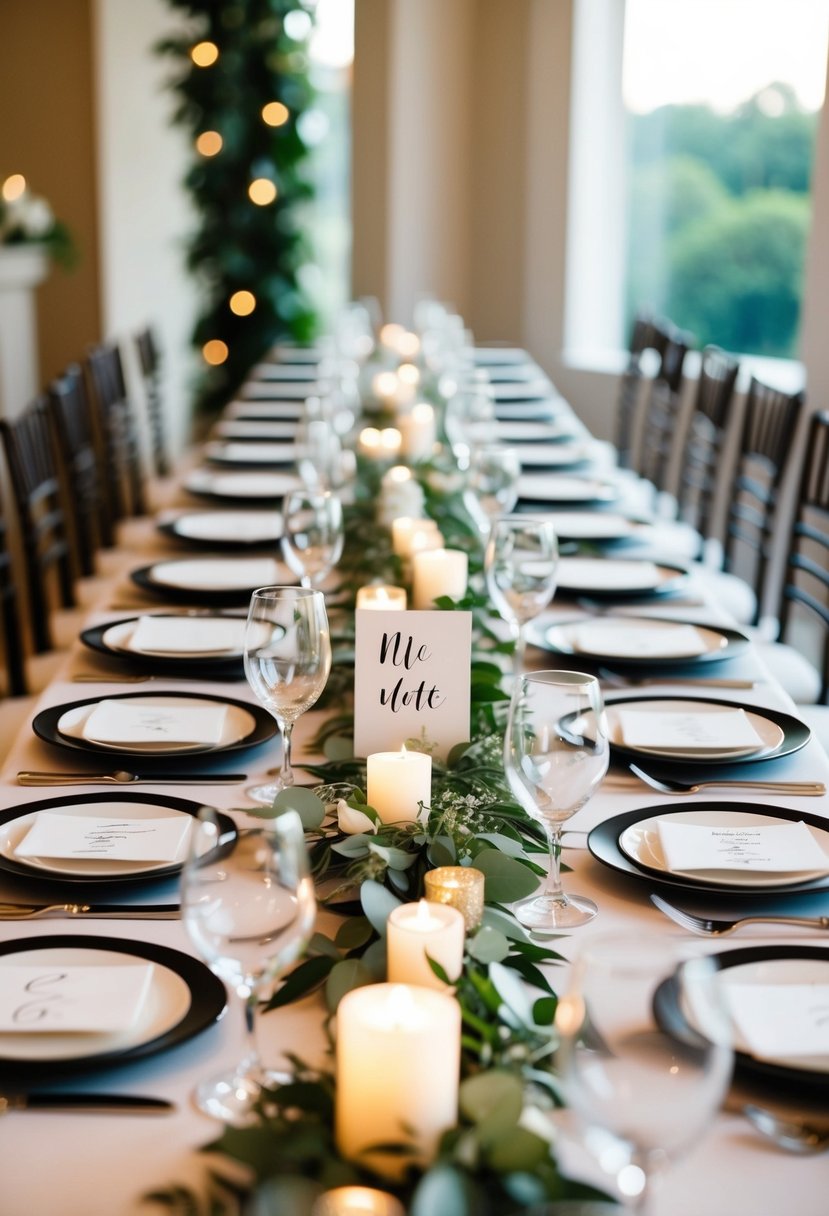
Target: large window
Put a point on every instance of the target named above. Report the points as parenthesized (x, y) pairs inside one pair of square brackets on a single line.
[(721, 104)]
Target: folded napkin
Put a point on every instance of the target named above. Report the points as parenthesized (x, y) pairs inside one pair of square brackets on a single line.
[(105, 837), (187, 635), (52, 998), (257, 453), (246, 526), (638, 641), (220, 574), (718, 730), (546, 487), (160, 725), (780, 1021), (774, 848), (599, 574)]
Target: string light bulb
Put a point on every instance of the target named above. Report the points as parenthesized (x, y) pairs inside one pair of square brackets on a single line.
[(275, 114), (209, 143), (242, 303), (14, 187), (215, 352), (204, 54), (261, 191)]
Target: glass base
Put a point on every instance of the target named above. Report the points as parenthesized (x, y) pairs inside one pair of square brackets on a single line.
[(265, 794), (232, 1097), (549, 913)]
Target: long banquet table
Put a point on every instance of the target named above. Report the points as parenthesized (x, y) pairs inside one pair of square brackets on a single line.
[(99, 1165)]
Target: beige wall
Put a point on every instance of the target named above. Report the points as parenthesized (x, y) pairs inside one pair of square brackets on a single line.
[(47, 133)]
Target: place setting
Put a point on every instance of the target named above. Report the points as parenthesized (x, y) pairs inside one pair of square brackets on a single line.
[(561, 488), (247, 486), (197, 645), (212, 581), (643, 643), (234, 529), (281, 390), (254, 430), (259, 411), (607, 578), (263, 454)]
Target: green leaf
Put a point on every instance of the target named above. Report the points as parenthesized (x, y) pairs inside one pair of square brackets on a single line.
[(504, 844), (512, 992), (441, 852), (305, 978), (506, 878), (306, 804), (353, 846), (338, 747), (320, 944), (544, 1010), (353, 933), (492, 1093), (350, 973), (378, 903), (488, 945), (397, 859), (517, 1150), (445, 1191), (374, 960), (506, 924)]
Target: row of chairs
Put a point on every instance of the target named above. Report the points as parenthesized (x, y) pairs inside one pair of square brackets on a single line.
[(725, 473), (76, 469)]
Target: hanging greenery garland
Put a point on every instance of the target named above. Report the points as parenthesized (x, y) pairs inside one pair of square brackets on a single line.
[(243, 90)]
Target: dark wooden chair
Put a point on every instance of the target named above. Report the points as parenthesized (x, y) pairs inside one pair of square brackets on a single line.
[(44, 535), (663, 411), (16, 683), (149, 362), (650, 342), (769, 426), (701, 467), (70, 412), (117, 441)]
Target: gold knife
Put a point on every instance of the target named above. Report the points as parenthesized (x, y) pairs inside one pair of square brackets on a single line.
[(91, 1103)]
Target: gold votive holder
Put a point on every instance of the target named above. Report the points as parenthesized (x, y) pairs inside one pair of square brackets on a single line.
[(357, 1201), (460, 886)]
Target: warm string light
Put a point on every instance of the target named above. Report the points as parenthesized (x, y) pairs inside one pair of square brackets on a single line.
[(209, 143), (215, 352), (204, 54), (261, 191), (14, 187), (242, 303), (275, 114)]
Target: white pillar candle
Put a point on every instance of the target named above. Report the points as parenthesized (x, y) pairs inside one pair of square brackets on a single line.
[(419, 432), (438, 572), (369, 442), (420, 929), (396, 475), (396, 782), (385, 387), (408, 534), (390, 441), (383, 597), (397, 1073)]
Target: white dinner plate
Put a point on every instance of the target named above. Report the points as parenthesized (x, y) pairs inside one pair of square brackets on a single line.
[(13, 832), (267, 410), (527, 411), (592, 525), (282, 390), (668, 640), (609, 576), (514, 373), (220, 573), (238, 724), (242, 485), (284, 371), (119, 637), (486, 355), (225, 451), (560, 455), (770, 734), (547, 487), (220, 527), (539, 389), (780, 971), (250, 429), (641, 843), (535, 432)]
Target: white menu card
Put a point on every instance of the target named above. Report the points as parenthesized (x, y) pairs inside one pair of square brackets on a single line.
[(781, 1020), (777, 848), (53, 998), (105, 837), (411, 680), (167, 725), (719, 730)]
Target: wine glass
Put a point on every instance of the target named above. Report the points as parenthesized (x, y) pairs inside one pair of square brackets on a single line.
[(312, 534), (520, 566), (248, 907), (287, 652), (492, 483), (639, 1096), (555, 755)]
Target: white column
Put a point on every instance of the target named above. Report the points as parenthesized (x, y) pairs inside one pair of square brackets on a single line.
[(22, 269)]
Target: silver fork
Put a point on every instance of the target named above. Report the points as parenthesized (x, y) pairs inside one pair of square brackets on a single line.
[(707, 926), (9, 911), (669, 785)]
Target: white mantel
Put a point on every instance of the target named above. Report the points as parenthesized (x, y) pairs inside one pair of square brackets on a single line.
[(22, 269)]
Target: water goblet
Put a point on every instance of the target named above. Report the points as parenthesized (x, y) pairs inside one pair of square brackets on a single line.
[(287, 655), (555, 754), (312, 534), (520, 567), (492, 483), (638, 1095), (248, 906)]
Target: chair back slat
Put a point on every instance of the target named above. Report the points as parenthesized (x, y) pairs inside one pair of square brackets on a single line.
[(116, 434), (70, 411)]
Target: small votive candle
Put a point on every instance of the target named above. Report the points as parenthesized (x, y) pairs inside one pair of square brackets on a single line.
[(397, 782), (382, 597), (460, 887), (406, 528), (419, 929), (357, 1201), (397, 1073), (437, 572), (419, 432)]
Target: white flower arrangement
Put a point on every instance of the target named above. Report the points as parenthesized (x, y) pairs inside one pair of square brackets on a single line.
[(27, 219)]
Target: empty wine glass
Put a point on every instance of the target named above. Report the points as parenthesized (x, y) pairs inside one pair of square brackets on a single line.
[(287, 652), (555, 755), (492, 483), (312, 534), (520, 565), (248, 907), (641, 1097)]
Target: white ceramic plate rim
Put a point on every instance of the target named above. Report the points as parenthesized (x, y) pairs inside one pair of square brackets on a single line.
[(640, 842), (174, 574), (769, 731), (117, 637), (168, 1001), (243, 485), (224, 525), (543, 488), (239, 723), (714, 641)]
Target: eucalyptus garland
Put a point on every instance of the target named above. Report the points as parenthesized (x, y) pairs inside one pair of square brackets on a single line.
[(242, 85)]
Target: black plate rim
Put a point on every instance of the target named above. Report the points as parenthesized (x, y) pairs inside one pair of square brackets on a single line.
[(602, 499), (788, 723), (603, 845), (45, 723), (670, 1017), (669, 586), (189, 807), (208, 999), (230, 597), (737, 642), (217, 666)]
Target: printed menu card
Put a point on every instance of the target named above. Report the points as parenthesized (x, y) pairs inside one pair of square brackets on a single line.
[(51, 997), (411, 680)]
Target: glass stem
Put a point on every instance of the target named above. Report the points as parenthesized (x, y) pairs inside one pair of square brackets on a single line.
[(553, 890), (518, 653), (251, 1064), (286, 772)]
